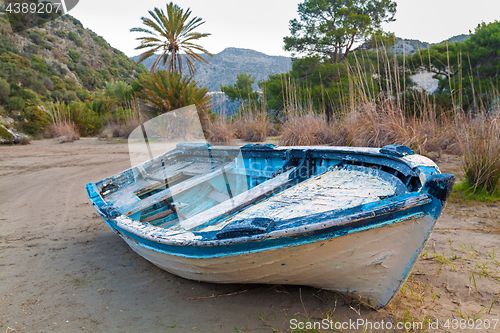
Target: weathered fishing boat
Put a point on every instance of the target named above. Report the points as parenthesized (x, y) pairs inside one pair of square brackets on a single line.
[(352, 220)]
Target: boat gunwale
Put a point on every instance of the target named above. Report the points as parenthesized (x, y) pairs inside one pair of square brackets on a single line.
[(329, 220)]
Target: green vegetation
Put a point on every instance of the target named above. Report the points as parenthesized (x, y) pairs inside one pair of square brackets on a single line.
[(242, 91), (172, 33), (165, 91), (463, 193), (468, 72), (331, 28), (74, 55), (32, 80)]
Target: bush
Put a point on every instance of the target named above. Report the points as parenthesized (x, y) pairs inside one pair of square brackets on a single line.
[(37, 121), (48, 84), (72, 36), (254, 128), (310, 129), (20, 61), (39, 64), (74, 55), (220, 131), (88, 122), (60, 33), (480, 144), (65, 129), (15, 103), (4, 90), (30, 98), (69, 97), (59, 83)]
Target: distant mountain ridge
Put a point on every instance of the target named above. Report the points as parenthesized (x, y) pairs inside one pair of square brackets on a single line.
[(225, 65), (410, 46)]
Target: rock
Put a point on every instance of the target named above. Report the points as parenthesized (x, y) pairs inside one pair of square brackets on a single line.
[(9, 136), (5, 135)]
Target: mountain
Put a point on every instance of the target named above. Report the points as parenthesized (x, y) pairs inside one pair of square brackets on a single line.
[(224, 67), (410, 46)]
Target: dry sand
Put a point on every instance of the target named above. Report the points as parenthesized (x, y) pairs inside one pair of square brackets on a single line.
[(63, 269)]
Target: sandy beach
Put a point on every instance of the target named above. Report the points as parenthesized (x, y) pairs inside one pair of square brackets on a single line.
[(63, 269)]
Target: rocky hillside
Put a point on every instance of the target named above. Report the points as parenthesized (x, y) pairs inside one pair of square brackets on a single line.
[(410, 46), (224, 67), (59, 61)]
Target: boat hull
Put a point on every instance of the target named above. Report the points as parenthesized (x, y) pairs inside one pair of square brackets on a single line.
[(369, 265)]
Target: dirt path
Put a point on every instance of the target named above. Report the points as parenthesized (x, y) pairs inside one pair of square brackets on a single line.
[(62, 269)]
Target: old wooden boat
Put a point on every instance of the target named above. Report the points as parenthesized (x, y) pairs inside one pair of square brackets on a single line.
[(353, 220)]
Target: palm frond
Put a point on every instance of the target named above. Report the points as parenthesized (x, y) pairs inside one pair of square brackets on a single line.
[(173, 30)]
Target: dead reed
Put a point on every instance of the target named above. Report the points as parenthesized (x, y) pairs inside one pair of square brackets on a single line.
[(62, 125), (220, 130), (306, 130), (480, 148), (124, 128), (254, 127), (65, 130)]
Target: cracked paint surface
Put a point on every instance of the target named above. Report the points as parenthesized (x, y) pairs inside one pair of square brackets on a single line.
[(336, 189)]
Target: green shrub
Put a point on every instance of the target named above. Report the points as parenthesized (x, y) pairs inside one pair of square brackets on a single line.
[(74, 55), (4, 90), (37, 37), (83, 94), (15, 103), (6, 45), (30, 98), (8, 70), (58, 82), (39, 64), (74, 37), (20, 61), (60, 33), (57, 95), (37, 121), (87, 122), (71, 84), (32, 49), (69, 97), (99, 40)]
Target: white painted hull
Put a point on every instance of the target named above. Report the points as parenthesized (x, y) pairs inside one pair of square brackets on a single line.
[(370, 264)]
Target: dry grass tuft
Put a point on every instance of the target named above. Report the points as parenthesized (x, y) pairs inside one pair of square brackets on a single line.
[(480, 148), (382, 123), (307, 130), (254, 128), (220, 131), (123, 129), (65, 130)]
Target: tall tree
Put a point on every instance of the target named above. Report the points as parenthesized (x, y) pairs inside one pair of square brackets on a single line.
[(468, 72), (331, 28), (171, 34), (242, 90)]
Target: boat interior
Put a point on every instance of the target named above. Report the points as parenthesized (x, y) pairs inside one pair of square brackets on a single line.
[(204, 188)]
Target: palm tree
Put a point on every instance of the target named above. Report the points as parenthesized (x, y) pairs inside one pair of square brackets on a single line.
[(172, 33)]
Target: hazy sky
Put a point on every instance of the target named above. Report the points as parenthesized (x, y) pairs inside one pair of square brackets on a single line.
[(261, 24)]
